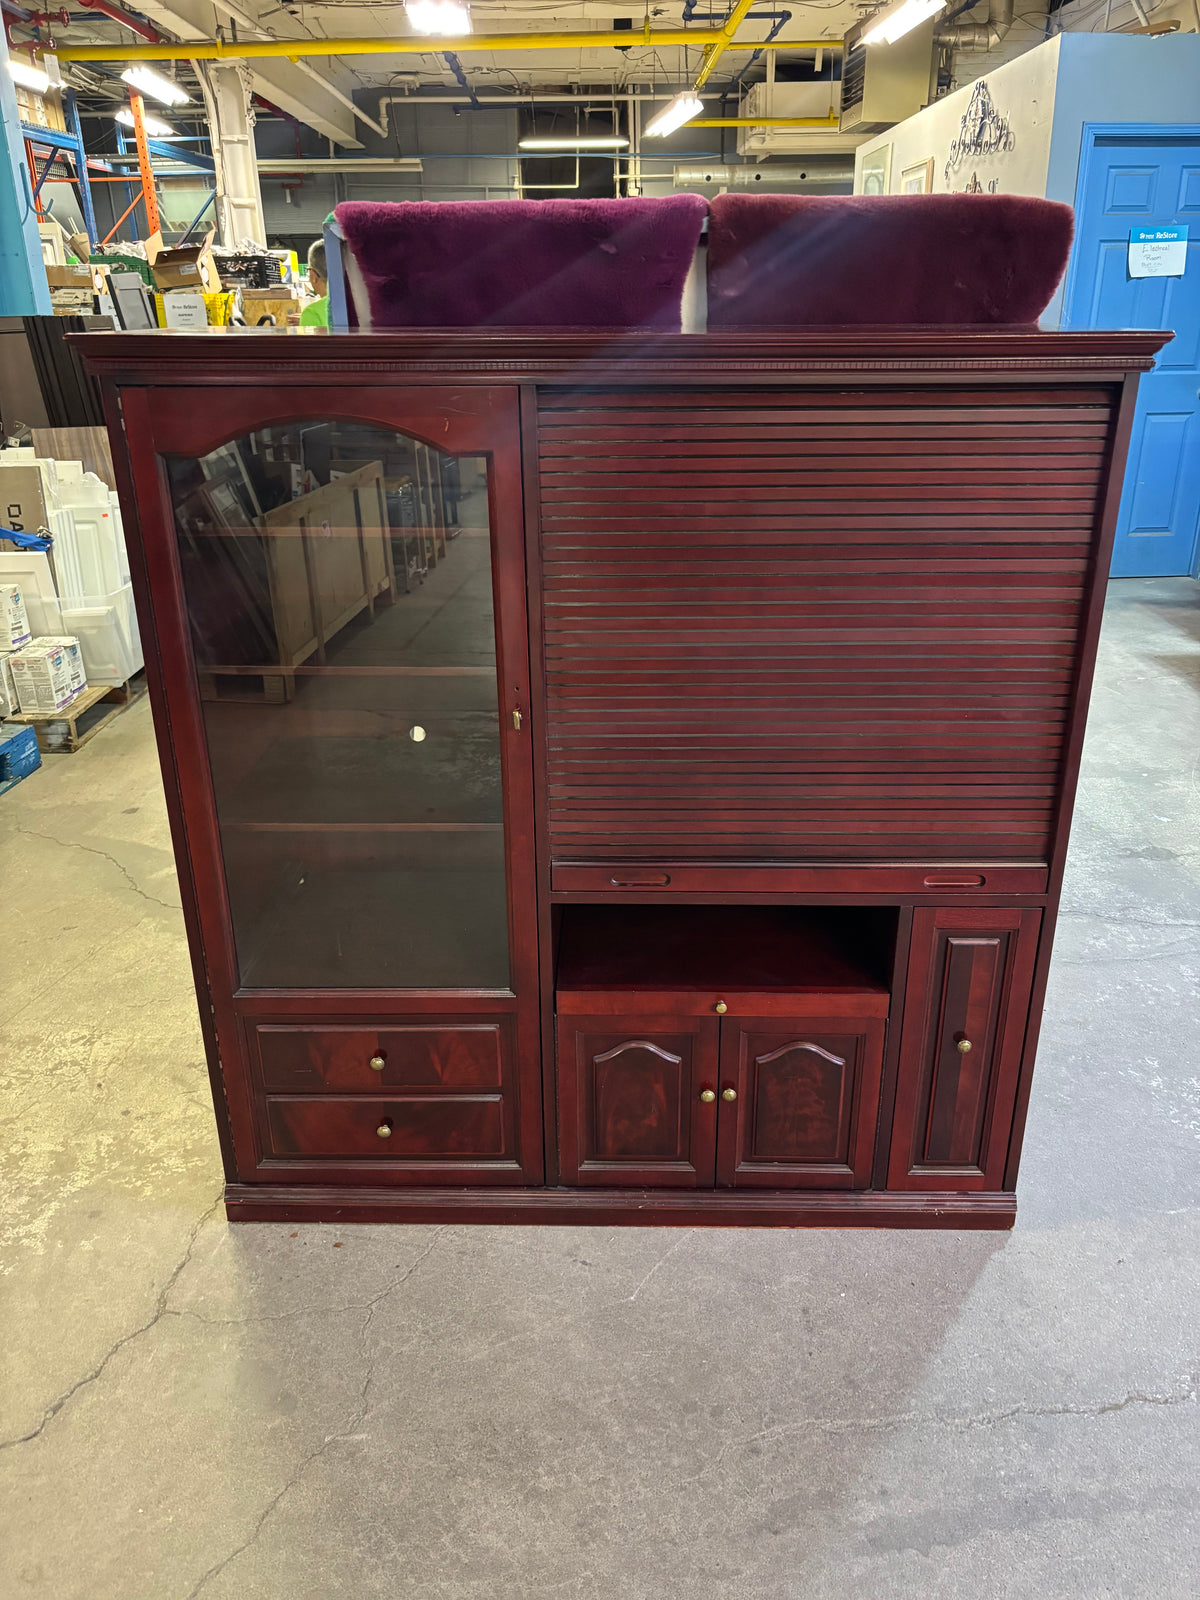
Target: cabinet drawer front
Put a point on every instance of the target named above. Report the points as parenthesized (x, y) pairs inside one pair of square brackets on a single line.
[(426, 1129), (421, 1055), (806, 1102), (629, 1091), (965, 1015)]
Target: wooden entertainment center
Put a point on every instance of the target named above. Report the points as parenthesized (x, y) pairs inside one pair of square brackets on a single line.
[(682, 842)]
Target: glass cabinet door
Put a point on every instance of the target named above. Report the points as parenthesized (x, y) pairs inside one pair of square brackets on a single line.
[(338, 581)]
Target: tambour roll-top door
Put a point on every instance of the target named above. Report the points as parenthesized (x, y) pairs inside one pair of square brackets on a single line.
[(798, 626)]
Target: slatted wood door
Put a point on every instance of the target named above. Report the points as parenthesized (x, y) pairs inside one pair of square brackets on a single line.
[(806, 625)]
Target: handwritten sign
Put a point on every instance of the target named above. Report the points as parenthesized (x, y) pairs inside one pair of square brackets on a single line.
[(1158, 252)]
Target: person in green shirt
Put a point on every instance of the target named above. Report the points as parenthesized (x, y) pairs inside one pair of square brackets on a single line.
[(317, 314)]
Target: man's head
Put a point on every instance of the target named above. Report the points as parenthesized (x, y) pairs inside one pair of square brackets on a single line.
[(318, 277)]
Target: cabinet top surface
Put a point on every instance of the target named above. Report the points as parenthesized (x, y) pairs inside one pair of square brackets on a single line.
[(255, 355)]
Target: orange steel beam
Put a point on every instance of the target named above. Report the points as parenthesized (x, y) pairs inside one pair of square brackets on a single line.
[(143, 155)]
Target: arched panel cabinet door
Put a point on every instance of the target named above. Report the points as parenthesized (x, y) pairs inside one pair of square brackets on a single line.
[(799, 1101), (334, 582), (638, 1100)]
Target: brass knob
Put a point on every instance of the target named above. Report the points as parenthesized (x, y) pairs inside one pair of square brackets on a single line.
[(728, 1094), (384, 1130), (964, 1045), (720, 1008), (377, 1063), (708, 1096)]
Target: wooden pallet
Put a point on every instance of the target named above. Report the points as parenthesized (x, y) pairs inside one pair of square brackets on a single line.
[(63, 732)]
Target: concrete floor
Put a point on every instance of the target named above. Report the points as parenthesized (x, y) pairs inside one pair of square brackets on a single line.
[(591, 1414)]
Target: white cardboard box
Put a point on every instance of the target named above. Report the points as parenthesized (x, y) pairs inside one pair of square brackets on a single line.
[(74, 655), (15, 630), (8, 690), (42, 678)]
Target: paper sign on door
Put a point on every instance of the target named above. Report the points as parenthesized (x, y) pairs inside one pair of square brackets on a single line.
[(1157, 252)]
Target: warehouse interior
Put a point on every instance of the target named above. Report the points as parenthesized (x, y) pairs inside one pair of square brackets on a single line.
[(517, 715)]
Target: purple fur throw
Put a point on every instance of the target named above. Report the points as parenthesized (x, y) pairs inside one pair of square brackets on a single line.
[(525, 263), (811, 260)]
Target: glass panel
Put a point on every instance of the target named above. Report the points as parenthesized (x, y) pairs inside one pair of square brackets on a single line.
[(339, 589)]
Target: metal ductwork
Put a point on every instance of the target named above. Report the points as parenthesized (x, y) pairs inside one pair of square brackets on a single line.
[(980, 35), (818, 172)]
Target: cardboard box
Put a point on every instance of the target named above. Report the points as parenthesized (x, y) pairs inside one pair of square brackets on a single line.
[(80, 245), (19, 755), (260, 303), (8, 689), (74, 656), (14, 621), (78, 275), (42, 678), (192, 267)]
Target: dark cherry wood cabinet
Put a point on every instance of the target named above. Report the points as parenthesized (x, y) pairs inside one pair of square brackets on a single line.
[(615, 778)]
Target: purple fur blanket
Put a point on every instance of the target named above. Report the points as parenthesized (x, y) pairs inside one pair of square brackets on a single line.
[(525, 263), (794, 260)]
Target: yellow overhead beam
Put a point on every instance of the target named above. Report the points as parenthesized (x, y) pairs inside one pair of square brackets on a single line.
[(717, 41), (830, 121), (721, 42)]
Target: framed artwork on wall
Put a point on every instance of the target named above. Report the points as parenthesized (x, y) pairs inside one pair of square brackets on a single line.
[(917, 179), (877, 170)]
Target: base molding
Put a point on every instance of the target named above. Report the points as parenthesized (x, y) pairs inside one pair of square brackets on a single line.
[(245, 1202)]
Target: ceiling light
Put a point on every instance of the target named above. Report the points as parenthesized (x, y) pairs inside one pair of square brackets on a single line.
[(29, 77), (146, 81), (580, 142), (154, 126), (682, 109), (445, 17), (899, 18)]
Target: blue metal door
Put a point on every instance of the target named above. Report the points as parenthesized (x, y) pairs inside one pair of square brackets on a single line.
[(1129, 178)]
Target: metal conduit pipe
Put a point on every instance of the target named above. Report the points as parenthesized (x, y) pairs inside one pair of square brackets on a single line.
[(298, 49)]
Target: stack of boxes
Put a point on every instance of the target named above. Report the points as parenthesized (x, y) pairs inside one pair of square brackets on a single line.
[(83, 592), (19, 754)]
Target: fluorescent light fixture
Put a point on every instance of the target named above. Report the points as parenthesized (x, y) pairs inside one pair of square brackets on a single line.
[(154, 126), (899, 18), (682, 109), (583, 141), (445, 17), (28, 76), (146, 81)]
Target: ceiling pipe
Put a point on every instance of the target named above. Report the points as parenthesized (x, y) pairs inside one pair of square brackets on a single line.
[(116, 13), (785, 175), (980, 35), (298, 49), (245, 20), (831, 121)]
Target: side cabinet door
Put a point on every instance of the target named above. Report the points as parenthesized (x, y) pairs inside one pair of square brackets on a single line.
[(965, 1015), (629, 1100), (805, 1102)]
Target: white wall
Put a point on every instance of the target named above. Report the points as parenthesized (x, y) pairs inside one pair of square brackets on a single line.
[(1049, 94), (1022, 90)]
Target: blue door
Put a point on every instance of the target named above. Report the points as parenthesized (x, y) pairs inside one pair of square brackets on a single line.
[(1148, 178)]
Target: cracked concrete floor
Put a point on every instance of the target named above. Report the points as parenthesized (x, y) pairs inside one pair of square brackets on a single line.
[(593, 1414)]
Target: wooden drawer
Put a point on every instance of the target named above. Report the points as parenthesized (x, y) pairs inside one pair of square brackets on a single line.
[(419, 1128), (720, 1003), (642, 877), (423, 1054)]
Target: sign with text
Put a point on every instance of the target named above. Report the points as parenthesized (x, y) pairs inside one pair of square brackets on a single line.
[(1158, 252)]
